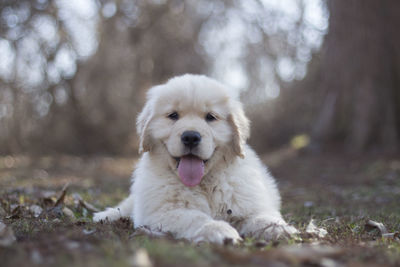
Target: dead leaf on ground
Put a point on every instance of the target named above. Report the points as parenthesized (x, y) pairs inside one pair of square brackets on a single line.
[(88, 206), (69, 213), (392, 236), (371, 225), (7, 236), (48, 197), (80, 202), (315, 231), (16, 212), (60, 199)]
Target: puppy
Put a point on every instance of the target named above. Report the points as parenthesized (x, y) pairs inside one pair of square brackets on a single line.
[(197, 178)]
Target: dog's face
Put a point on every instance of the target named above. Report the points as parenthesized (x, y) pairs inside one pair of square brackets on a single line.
[(194, 121)]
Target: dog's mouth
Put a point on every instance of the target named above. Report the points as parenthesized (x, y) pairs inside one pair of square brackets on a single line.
[(190, 169), (178, 159)]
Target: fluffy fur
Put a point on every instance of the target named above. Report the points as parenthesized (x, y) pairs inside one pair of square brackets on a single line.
[(236, 197)]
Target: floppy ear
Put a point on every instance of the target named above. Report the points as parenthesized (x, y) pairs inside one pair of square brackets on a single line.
[(241, 127), (142, 124)]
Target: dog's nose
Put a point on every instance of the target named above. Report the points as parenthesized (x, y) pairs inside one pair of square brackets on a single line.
[(190, 138)]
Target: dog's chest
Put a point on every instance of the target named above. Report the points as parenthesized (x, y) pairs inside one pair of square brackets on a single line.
[(222, 201)]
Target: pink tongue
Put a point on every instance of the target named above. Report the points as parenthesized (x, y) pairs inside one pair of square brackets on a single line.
[(191, 170)]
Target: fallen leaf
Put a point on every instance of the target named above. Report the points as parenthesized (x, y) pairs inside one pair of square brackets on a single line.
[(60, 199), (49, 201), (69, 213), (16, 212), (48, 197), (78, 200), (313, 230), (371, 225), (88, 206), (393, 236), (141, 259), (36, 210), (7, 236)]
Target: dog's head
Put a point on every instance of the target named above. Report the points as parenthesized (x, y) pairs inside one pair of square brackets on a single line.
[(195, 121)]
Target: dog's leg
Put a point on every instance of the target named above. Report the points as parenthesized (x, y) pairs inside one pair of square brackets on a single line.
[(267, 227), (192, 225), (124, 209)]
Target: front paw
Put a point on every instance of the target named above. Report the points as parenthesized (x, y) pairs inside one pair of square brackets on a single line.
[(218, 232), (276, 231), (110, 214)]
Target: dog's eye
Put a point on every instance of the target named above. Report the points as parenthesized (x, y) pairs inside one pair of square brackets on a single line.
[(173, 116), (210, 117)]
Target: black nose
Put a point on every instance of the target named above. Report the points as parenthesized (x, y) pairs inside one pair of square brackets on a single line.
[(190, 138)]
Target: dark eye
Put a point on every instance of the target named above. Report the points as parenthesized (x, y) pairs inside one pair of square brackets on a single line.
[(210, 117), (173, 116)]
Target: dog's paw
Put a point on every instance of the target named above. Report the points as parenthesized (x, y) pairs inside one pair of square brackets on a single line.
[(218, 232), (276, 231), (110, 214)]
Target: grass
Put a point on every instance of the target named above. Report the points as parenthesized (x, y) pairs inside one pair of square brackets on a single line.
[(340, 193)]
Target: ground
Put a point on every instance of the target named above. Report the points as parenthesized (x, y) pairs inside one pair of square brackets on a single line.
[(46, 205)]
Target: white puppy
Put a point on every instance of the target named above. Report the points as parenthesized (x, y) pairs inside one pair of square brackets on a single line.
[(197, 178)]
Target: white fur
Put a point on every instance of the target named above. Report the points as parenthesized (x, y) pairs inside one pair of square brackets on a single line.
[(236, 197)]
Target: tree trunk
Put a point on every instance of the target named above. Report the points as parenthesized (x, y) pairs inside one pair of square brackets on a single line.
[(360, 65)]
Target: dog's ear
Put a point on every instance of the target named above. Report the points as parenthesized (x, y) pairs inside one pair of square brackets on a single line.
[(241, 127), (142, 125)]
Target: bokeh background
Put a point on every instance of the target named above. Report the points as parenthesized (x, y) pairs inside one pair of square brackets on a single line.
[(315, 73)]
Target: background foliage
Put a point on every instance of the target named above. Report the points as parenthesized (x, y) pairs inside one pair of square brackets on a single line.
[(73, 73)]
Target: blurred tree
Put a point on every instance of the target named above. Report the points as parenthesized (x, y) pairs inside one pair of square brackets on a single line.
[(140, 45), (360, 76), (73, 72), (78, 72)]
